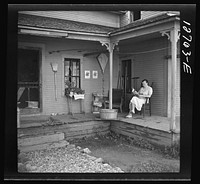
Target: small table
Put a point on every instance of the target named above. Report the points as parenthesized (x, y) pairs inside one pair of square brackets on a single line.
[(82, 105)]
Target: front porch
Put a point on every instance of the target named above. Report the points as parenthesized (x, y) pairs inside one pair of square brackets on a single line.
[(154, 129)]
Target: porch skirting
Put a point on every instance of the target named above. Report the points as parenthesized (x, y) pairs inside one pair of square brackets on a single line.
[(71, 130), (79, 127), (153, 136)]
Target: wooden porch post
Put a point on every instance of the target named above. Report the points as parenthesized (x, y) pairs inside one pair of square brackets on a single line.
[(110, 47), (174, 36), (111, 76)]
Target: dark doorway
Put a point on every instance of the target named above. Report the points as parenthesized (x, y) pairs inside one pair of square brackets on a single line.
[(126, 75), (126, 80), (29, 80)]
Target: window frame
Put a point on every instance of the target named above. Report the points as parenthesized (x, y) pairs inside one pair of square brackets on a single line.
[(70, 76)]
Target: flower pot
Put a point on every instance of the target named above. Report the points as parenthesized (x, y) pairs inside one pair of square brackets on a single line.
[(108, 114), (78, 96)]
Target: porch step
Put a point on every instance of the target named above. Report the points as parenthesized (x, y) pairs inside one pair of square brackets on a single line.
[(40, 139), (49, 145), (27, 121), (51, 140)]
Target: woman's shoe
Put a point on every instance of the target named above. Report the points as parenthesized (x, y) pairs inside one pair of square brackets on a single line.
[(129, 115)]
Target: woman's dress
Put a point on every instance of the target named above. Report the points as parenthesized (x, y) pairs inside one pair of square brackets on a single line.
[(139, 101)]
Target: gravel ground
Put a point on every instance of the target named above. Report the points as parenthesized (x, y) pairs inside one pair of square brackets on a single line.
[(132, 155), (70, 159), (111, 153)]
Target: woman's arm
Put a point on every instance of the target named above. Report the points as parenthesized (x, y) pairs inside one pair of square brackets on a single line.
[(150, 92), (135, 92)]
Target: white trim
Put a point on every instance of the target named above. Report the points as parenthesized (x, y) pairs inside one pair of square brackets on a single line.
[(43, 33)]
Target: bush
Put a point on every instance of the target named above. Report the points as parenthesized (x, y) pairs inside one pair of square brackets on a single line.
[(173, 150)]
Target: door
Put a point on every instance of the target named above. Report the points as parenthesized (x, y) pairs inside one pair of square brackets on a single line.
[(126, 79), (29, 92)]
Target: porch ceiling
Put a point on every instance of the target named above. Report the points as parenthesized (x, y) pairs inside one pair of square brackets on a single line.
[(137, 39)]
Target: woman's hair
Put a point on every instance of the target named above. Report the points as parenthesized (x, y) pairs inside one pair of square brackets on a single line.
[(143, 81)]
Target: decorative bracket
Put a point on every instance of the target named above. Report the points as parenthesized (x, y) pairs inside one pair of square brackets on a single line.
[(168, 33), (109, 45)]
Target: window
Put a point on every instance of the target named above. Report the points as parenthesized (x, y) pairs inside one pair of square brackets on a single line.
[(72, 71), (137, 15)]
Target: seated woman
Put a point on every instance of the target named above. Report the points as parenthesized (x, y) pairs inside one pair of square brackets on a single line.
[(139, 97)]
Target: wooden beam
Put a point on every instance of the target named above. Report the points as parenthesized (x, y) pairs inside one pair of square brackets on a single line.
[(43, 146), (28, 141), (94, 53), (111, 77)]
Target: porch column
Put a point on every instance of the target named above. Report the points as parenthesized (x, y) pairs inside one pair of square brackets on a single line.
[(173, 36), (110, 47)]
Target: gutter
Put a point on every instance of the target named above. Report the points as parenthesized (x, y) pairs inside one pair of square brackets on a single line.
[(60, 31)]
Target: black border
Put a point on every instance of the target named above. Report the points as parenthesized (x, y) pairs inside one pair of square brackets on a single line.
[(187, 86)]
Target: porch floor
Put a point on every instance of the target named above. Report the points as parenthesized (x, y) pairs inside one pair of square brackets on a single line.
[(153, 122)]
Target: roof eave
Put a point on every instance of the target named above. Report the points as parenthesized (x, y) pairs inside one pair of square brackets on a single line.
[(62, 31), (116, 32)]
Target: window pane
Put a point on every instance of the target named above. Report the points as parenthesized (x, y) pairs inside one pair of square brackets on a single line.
[(74, 68), (77, 68), (74, 81), (66, 79), (66, 63), (77, 82)]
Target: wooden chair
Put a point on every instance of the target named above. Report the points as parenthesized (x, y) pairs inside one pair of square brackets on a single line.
[(147, 105), (117, 99)]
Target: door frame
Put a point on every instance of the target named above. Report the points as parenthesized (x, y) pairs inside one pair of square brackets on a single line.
[(41, 49), (121, 70)]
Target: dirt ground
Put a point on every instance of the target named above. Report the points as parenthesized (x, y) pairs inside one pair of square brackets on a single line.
[(130, 156)]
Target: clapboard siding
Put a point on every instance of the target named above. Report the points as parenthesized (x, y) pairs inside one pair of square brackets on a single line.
[(151, 66), (153, 71), (124, 19), (50, 105), (148, 14), (93, 17)]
